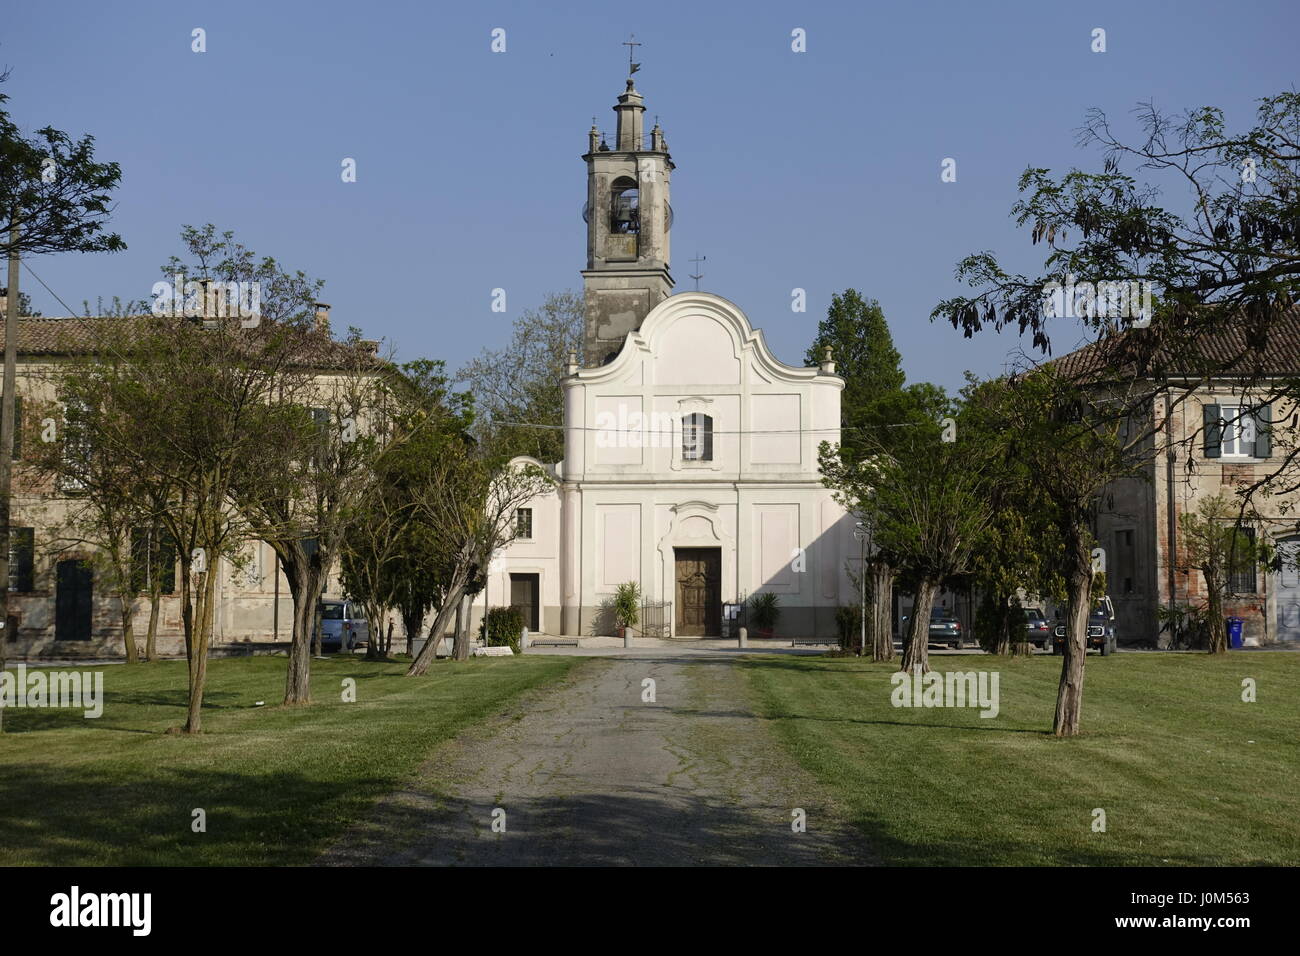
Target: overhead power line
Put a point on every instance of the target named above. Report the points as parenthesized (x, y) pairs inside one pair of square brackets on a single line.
[(715, 431), (48, 289)]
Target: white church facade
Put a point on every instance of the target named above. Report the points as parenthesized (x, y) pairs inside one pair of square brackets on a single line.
[(690, 452)]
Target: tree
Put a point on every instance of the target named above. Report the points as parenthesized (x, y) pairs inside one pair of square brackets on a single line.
[(926, 499), (1220, 276), (191, 402), (1215, 545), (873, 407), (24, 303), (862, 347), (521, 383), (1082, 441), (1222, 272), (54, 197), (850, 473), (469, 500), (105, 505), (390, 557), (1020, 550)]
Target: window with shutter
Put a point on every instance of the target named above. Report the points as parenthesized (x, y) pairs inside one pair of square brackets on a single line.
[(1212, 432), (1264, 431), (22, 559), (161, 551), (1242, 580), (1243, 431)]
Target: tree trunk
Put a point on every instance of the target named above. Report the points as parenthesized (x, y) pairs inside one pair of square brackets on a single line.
[(306, 584), (411, 625), (450, 603), (1218, 625), (880, 622), (297, 687), (916, 653), (1078, 588), (462, 630), (201, 625), (1014, 629), (128, 628), (1002, 635), (375, 648), (151, 639)]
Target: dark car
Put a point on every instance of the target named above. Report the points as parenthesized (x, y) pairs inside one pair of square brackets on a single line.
[(1101, 630), (945, 628), (1039, 629)]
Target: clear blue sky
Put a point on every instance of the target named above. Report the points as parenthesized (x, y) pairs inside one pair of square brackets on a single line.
[(817, 170)]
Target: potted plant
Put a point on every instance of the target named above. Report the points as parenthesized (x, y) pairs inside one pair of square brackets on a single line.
[(626, 607), (764, 609)]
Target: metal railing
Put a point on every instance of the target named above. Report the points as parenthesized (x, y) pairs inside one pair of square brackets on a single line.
[(656, 618)]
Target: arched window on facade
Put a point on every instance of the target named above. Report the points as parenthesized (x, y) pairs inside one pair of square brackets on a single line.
[(697, 437)]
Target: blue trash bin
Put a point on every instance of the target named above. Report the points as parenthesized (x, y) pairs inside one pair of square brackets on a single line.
[(1234, 631)]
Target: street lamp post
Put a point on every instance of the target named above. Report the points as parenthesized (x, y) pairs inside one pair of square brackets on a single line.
[(862, 533)]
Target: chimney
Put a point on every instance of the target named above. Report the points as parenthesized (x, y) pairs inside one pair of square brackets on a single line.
[(322, 323), (208, 304)]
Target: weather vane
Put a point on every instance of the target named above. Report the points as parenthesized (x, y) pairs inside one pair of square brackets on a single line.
[(631, 44)]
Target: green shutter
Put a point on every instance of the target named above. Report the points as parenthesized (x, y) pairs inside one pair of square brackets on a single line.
[(1213, 431), (1263, 435), (22, 563), (167, 558)]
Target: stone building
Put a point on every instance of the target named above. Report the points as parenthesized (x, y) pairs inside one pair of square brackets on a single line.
[(58, 608), (1228, 432)]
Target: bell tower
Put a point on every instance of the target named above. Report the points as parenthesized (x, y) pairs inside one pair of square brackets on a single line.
[(628, 220)]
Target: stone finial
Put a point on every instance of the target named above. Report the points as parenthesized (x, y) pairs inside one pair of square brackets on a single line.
[(573, 363), (828, 362)]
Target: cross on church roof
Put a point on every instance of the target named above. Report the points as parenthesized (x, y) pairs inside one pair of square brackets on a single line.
[(697, 260), (631, 43)]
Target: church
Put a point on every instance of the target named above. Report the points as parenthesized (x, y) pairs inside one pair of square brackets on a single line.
[(690, 451)]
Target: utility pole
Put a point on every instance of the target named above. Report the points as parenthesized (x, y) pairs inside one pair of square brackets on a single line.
[(7, 436)]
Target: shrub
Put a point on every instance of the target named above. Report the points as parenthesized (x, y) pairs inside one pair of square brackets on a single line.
[(627, 604), (848, 625), (501, 627), (764, 609)]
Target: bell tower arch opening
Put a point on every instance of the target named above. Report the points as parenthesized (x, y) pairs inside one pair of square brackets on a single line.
[(628, 218)]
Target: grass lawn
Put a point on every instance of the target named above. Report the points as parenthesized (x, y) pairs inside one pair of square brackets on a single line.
[(276, 783), (1186, 772)]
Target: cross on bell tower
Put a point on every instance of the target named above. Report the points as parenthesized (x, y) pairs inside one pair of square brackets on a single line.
[(628, 221)]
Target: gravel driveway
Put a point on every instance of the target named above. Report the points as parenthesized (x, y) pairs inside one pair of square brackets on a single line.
[(587, 773)]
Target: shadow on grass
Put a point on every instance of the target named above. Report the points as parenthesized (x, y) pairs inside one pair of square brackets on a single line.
[(67, 816)]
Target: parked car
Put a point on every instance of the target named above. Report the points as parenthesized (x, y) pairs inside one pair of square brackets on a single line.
[(1039, 628), (1101, 630), (945, 628), (343, 625)]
